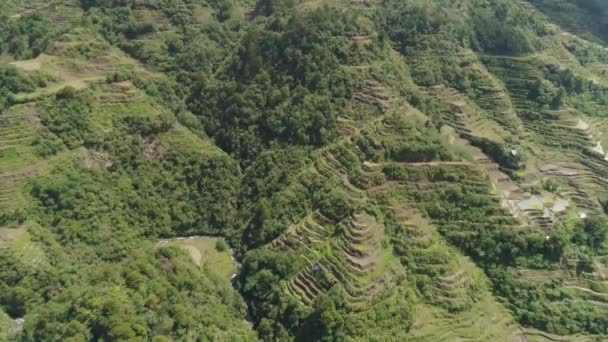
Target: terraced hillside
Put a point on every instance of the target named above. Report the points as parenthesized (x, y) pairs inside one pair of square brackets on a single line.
[(397, 170), (584, 18), (18, 158), (497, 177), (533, 200), (355, 253)]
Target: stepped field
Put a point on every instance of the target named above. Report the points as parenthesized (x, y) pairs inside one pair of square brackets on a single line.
[(303, 170)]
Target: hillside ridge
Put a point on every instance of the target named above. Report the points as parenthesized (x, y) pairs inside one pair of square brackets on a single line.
[(395, 170)]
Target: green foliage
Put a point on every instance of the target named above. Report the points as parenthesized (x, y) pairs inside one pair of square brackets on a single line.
[(260, 282), (221, 245), (271, 196), (494, 242), (533, 305), (269, 91), (414, 142), (223, 8), (12, 82), (25, 38), (194, 51), (69, 117), (592, 232), (15, 296), (66, 93), (284, 85), (326, 322), (274, 7), (495, 26), (584, 17), (587, 53), (120, 76), (420, 28), (116, 302), (5, 326), (334, 203), (504, 27), (202, 200), (104, 216), (510, 159)]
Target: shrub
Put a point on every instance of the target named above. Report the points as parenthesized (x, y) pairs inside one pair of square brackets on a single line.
[(66, 93), (120, 76), (221, 245)]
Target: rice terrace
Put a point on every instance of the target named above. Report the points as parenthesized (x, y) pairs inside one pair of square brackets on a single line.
[(304, 170)]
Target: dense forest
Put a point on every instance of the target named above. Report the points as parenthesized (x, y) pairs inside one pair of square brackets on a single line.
[(295, 170)]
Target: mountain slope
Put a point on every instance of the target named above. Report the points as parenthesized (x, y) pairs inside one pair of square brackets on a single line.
[(384, 170), (91, 157)]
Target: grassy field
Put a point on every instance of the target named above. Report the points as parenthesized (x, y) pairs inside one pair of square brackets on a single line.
[(204, 253), (20, 241)]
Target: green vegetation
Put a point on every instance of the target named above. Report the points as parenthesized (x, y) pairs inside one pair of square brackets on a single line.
[(25, 38), (284, 85), (379, 170), (210, 253), (583, 17)]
